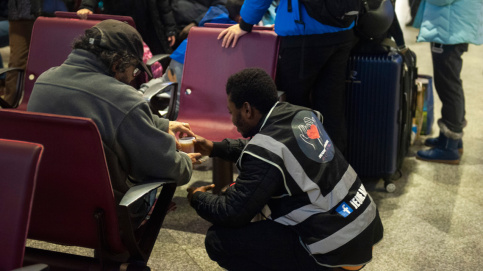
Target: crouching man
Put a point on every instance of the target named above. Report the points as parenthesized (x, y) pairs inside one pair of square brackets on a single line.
[(317, 214)]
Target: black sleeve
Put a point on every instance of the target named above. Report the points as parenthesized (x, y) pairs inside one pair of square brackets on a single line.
[(245, 26), (257, 183), (207, 4), (89, 4), (167, 16), (395, 31), (228, 149)]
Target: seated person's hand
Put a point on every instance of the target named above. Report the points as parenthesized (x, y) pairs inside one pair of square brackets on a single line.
[(195, 158), (82, 13), (183, 129), (231, 35), (203, 145)]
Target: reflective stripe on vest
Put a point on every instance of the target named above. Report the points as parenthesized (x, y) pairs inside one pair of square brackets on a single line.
[(320, 203)]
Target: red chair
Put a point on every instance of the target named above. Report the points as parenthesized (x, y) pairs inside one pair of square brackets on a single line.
[(255, 27), (206, 69), (96, 17), (74, 203), (50, 45), (19, 163)]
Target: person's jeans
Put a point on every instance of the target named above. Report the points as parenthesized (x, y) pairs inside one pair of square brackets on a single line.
[(447, 66)]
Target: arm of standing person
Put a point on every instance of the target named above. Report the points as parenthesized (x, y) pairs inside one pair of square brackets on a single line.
[(169, 22), (251, 13), (256, 184), (87, 7)]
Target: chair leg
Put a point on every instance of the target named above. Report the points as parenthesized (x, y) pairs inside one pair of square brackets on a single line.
[(222, 174)]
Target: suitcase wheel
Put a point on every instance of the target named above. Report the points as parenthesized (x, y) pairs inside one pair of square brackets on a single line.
[(390, 186)]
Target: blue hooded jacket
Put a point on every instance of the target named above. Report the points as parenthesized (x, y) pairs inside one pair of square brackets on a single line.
[(252, 12), (451, 21)]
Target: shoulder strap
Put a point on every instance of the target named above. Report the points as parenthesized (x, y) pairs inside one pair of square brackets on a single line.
[(290, 9)]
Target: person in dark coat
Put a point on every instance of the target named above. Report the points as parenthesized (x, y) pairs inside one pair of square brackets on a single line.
[(154, 19), (188, 13)]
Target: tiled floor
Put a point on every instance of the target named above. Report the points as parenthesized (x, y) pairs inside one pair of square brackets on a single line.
[(434, 220)]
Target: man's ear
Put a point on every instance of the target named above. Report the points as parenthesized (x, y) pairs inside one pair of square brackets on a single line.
[(247, 110), (114, 67)]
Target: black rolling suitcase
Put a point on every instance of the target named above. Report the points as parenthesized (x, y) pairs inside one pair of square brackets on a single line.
[(380, 107)]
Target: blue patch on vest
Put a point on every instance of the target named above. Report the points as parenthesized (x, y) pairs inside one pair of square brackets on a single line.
[(312, 137), (344, 209)]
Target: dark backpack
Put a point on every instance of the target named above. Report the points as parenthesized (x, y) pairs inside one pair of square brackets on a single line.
[(339, 13)]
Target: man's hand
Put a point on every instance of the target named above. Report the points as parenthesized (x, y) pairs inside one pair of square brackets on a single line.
[(203, 145), (82, 13), (171, 40), (231, 35), (192, 190)]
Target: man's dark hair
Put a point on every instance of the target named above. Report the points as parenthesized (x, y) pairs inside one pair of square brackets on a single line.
[(234, 7), (107, 57), (252, 85)]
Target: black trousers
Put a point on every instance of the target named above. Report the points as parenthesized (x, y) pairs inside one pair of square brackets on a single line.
[(263, 245), (314, 77), (447, 66)]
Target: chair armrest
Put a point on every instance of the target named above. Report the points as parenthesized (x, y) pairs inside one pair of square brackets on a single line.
[(158, 88), (35, 267), (140, 241), (19, 90), (138, 191), (163, 59), (4, 70), (158, 99)]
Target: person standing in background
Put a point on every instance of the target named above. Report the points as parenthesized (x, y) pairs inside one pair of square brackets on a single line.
[(3, 38), (449, 26), (153, 18), (189, 13), (312, 63), (413, 10), (21, 17)]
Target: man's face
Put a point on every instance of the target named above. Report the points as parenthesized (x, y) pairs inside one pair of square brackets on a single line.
[(237, 118)]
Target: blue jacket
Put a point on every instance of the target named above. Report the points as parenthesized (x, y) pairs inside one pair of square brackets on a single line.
[(252, 12), (451, 21)]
